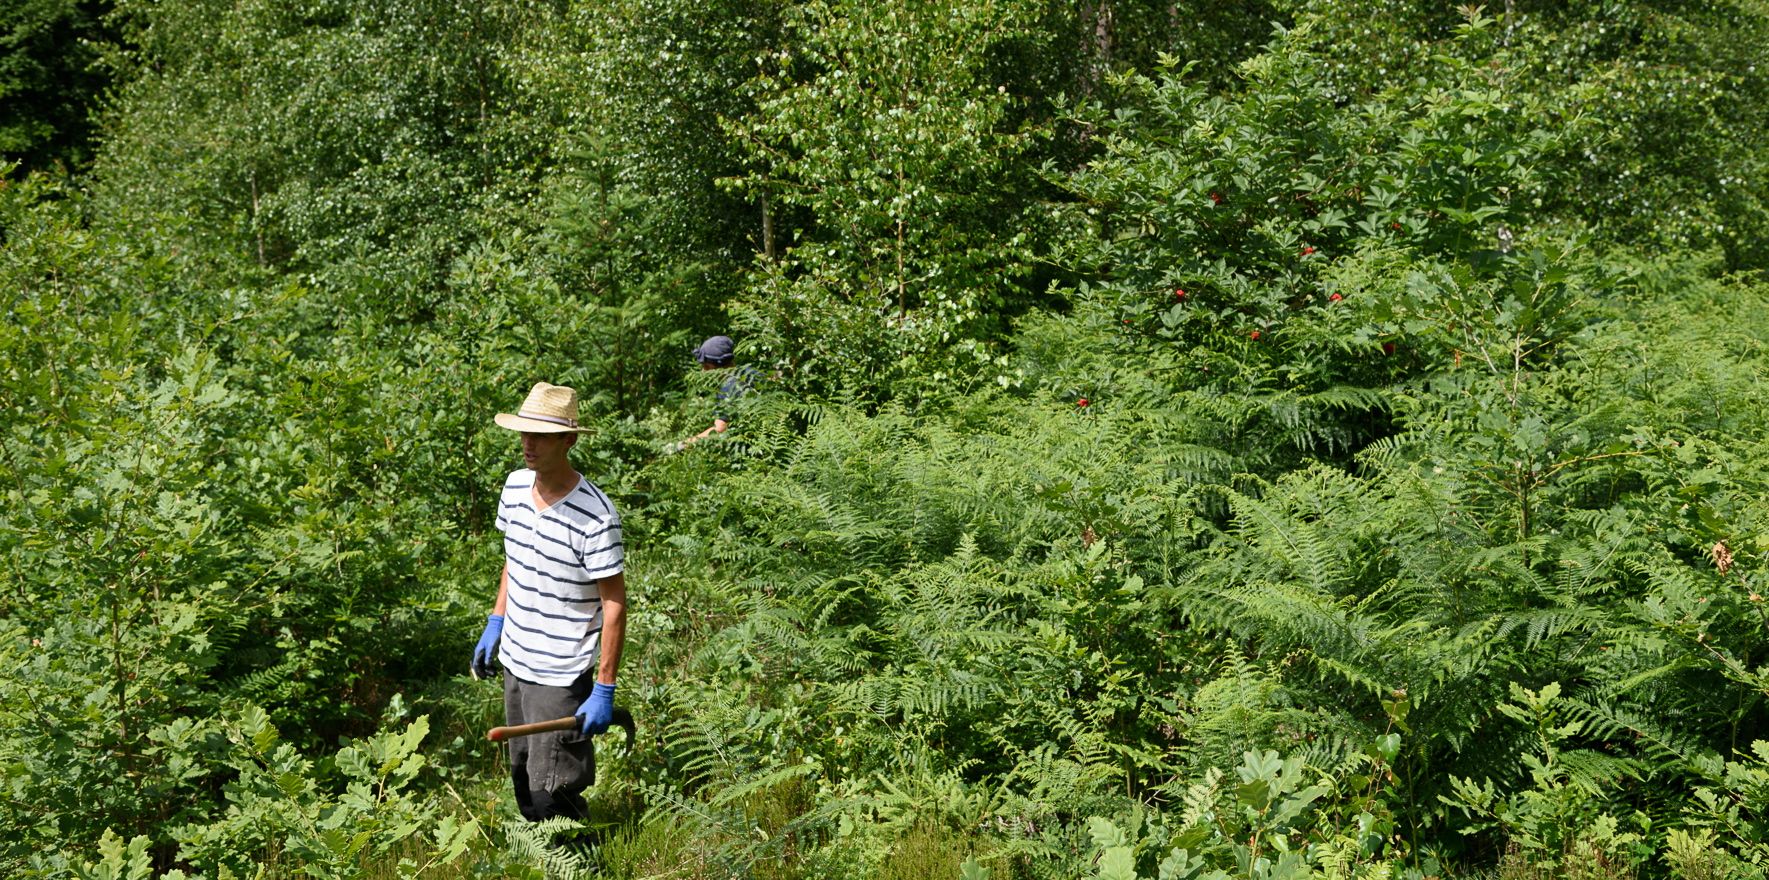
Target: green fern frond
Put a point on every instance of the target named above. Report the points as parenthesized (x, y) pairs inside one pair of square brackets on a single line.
[(1604, 720), (761, 782), (1596, 773)]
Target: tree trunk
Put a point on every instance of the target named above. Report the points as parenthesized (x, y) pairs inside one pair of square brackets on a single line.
[(767, 227), (1096, 44)]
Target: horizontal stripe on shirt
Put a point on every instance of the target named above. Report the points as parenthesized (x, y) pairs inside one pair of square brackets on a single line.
[(587, 535), (568, 618), (538, 675), (577, 600), (573, 639), (531, 589), (578, 563), (568, 563), (606, 571), (531, 650), (554, 663), (583, 511)]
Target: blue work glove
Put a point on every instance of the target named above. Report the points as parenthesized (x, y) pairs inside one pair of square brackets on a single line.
[(487, 649), (596, 712)]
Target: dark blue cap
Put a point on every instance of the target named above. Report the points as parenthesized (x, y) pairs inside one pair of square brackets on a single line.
[(717, 349)]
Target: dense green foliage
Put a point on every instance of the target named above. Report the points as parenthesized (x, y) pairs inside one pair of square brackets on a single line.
[(52, 69), (1283, 439)]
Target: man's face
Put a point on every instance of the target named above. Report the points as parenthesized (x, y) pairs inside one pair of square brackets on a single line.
[(545, 451)]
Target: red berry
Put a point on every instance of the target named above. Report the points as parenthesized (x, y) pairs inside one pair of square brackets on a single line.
[(1335, 298), (1254, 335), (1309, 249), (1179, 293), (1395, 225), (1388, 348), (1081, 402), (1216, 197)]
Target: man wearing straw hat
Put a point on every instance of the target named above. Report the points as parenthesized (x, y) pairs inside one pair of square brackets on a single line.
[(559, 621)]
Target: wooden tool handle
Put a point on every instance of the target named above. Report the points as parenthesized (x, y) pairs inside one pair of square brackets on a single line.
[(623, 719), (499, 734)]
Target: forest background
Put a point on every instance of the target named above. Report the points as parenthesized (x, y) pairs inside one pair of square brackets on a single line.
[(1242, 438)]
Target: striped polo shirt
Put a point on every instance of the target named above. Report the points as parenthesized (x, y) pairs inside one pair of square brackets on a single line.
[(554, 559)]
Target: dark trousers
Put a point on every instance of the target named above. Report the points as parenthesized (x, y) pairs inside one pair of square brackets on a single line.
[(550, 770)]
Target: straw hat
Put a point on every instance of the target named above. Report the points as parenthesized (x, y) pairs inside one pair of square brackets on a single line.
[(549, 409)]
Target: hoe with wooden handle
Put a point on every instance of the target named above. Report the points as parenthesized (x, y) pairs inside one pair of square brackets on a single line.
[(622, 719)]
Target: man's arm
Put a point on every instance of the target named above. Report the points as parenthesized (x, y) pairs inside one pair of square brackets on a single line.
[(503, 591), (614, 626), (719, 426)]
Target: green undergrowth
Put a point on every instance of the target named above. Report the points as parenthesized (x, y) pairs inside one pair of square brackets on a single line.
[(1469, 636), (1174, 452)]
